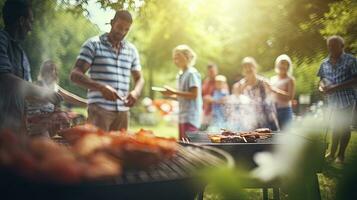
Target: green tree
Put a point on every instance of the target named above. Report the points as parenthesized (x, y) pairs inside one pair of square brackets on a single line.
[(57, 35), (341, 19)]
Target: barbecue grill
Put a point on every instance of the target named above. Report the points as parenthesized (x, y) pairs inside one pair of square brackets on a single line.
[(242, 152), (243, 155), (171, 179)]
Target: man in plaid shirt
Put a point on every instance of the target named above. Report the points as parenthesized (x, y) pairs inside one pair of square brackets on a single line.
[(338, 75)]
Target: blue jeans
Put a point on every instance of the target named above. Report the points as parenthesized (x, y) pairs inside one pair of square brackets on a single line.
[(285, 115)]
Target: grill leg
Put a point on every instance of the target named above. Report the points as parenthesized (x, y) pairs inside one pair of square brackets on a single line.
[(200, 195), (276, 194), (265, 194)]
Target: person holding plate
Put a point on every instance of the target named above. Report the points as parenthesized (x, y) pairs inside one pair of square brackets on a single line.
[(188, 93)]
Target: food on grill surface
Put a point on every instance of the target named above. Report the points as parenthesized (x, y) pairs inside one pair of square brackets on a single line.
[(93, 154), (73, 134), (227, 136), (102, 165), (138, 150), (49, 123), (263, 130)]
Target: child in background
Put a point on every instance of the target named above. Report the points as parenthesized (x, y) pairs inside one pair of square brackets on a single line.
[(218, 99), (189, 90)]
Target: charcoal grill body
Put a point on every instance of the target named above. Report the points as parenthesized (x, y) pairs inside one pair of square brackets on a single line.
[(176, 189), (243, 154), (174, 179)]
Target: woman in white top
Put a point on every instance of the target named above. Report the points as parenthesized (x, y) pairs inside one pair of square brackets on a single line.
[(285, 82)]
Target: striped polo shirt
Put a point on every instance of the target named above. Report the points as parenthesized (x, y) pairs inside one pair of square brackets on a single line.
[(110, 68)]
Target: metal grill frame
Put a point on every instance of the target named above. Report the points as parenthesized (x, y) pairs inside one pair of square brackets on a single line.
[(179, 184)]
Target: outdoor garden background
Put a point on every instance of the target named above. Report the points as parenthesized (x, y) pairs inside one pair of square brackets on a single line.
[(220, 31)]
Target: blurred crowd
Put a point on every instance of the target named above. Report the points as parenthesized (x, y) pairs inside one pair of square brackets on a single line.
[(256, 101)]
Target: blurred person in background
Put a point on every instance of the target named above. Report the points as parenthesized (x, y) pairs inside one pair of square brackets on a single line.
[(257, 91), (15, 76), (220, 92), (42, 117), (188, 93), (111, 61), (208, 85), (338, 76), (285, 82)]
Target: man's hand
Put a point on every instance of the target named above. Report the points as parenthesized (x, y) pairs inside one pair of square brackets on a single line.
[(131, 99), (327, 89), (109, 93)]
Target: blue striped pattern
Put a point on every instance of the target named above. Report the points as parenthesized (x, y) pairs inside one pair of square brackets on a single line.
[(12, 57), (344, 70), (110, 68), (5, 65)]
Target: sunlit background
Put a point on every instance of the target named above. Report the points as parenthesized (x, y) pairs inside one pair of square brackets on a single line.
[(220, 31)]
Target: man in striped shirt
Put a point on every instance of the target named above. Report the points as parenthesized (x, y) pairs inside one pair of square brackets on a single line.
[(338, 74), (111, 62)]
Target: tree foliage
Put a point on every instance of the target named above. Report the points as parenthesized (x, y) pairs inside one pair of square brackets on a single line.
[(222, 32), (57, 35), (342, 20)]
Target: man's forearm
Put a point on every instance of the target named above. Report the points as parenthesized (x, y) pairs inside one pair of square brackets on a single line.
[(347, 84), (139, 85), (84, 81), (29, 90), (138, 81)]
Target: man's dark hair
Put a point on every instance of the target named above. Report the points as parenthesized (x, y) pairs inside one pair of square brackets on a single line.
[(123, 14), (14, 9)]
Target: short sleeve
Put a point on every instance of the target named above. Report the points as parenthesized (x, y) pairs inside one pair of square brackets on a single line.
[(5, 65), (87, 52), (136, 66), (354, 67), (194, 80), (320, 73)]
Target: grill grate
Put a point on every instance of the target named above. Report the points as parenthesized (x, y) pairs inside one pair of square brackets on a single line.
[(184, 164), (202, 137), (188, 159)]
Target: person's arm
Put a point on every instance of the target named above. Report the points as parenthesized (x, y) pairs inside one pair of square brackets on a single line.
[(194, 82), (191, 94), (206, 96), (29, 90), (287, 95), (22, 87), (291, 89), (138, 79), (135, 93), (236, 89), (72, 98), (333, 88), (347, 84), (78, 76), (275, 90)]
